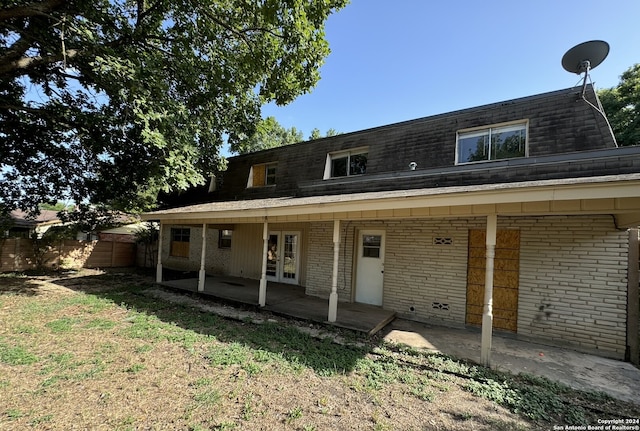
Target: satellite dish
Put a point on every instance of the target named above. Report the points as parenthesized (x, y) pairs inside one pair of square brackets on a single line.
[(585, 56), (581, 59)]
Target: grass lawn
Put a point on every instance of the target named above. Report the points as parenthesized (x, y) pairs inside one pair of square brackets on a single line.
[(98, 350)]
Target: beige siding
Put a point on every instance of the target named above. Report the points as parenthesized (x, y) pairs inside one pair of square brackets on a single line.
[(247, 243), (246, 251), (216, 262)]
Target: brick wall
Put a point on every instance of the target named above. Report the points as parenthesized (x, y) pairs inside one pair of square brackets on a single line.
[(320, 264), (417, 272), (572, 287), (573, 282), (320, 260), (426, 269)]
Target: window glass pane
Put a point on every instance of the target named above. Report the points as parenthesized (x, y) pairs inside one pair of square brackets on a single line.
[(271, 175), (507, 143), (371, 240), (224, 238), (358, 164), (473, 147), (290, 256), (181, 235), (371, 246), (272, 255), (339, 167)]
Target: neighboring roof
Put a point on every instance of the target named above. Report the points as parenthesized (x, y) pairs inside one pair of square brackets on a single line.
[(22, 219), (626, 186), (128, 229)]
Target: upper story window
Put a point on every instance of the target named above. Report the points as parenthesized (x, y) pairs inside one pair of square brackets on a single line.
[(492, 143), (180, 242), (262, 175), (346, 163)]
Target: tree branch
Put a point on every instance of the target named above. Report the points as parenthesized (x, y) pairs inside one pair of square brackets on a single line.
[(21, 108), (16, 50), (32, 9), (23, 44), (23, 64), (227, 27)]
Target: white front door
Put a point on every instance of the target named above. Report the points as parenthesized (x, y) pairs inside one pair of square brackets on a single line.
[(283, 257), (370, 267)]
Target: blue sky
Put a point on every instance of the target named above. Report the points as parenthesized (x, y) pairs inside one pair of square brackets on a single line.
[(399, 60)]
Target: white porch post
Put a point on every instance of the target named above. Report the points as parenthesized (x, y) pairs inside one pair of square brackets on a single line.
[(159, 263), (333, 297), (202, 275), (487, 315), (262, 296)]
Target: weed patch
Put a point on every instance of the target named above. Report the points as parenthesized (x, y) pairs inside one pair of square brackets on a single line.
[(16, 355)]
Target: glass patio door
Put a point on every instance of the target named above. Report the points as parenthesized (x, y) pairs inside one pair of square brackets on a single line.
[(283, 261)]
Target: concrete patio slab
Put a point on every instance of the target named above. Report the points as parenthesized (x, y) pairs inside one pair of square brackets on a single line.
[(578, 370)]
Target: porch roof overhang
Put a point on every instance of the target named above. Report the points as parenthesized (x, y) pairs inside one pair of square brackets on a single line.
[(617, 195)]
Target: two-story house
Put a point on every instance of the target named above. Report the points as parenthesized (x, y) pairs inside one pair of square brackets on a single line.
[(512, 216)]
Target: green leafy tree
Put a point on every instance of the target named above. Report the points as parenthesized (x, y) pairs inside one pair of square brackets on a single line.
[(316, 134), (622, 106), (268, 134), (111, 101)]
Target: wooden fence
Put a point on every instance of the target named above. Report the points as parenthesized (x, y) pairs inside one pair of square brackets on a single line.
[(18, 254)]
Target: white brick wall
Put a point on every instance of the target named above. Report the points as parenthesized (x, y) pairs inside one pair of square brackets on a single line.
[(320, 260), (419, 273), (572, 274), (573, 281)]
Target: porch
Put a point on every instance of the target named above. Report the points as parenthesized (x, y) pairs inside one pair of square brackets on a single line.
[(288, 300)]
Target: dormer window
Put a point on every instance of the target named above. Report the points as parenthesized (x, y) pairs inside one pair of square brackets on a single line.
[(492, 143), (262, 175), (346, 163)]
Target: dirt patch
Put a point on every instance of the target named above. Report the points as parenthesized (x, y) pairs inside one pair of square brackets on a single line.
[(98, 350)]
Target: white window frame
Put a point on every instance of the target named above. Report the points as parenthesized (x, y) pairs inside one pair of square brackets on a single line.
[(487, 130), (338, 154)]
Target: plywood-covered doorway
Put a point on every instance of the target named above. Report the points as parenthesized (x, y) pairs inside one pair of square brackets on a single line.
[(505, 279)]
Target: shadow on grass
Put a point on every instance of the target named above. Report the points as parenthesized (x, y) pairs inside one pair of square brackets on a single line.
[(126, 288), (18, 284)]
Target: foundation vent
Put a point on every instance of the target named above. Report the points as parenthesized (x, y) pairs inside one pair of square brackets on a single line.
[(440, 306), (441, 240)]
